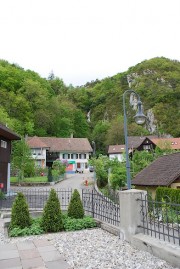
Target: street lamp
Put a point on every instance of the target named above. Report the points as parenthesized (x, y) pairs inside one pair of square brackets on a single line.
[(139, 119)]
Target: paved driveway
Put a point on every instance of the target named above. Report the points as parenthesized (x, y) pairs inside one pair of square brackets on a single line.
[(75, 181)]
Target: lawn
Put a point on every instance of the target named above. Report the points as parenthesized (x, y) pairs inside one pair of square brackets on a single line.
[(30, 179)]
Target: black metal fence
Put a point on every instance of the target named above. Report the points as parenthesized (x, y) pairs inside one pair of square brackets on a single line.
[(35, 197), (100, 207), (94, 202), (160, 219)]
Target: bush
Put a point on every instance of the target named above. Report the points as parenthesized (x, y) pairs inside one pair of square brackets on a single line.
[(2, 195), (34, 229), (75, 208), (68, 223), (20, 217), (52, 216), (71, 224), (168, 194), (50, 177)]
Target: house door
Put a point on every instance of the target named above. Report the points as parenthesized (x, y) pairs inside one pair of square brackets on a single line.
[(3, 175), (78, 165)]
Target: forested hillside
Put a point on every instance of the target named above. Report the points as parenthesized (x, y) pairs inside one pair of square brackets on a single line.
[(33, 105)]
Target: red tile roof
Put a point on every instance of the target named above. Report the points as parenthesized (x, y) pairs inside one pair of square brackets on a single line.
[(36, 142), (61, 144), (114, 149), (162, 172), (172, 143)]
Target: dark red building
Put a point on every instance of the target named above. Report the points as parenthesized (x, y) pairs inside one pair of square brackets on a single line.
[(6, 136)]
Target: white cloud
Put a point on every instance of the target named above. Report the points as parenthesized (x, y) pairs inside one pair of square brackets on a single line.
[(81, 40)]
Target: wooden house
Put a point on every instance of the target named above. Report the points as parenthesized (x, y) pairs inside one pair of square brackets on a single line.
[(6, 136)]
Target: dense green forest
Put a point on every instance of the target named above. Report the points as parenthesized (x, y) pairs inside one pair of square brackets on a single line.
[(32, 105)]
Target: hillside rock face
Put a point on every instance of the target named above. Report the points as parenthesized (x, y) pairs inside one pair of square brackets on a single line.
[(150, 123)]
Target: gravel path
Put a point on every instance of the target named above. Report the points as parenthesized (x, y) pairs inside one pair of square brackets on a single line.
[(97, 249)]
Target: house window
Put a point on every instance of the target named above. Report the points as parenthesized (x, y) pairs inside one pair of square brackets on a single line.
[(76, 156), (80, 156), (69, 156), (3, 144), (146, 147), (38, 163), (72, 155), (84, 156)]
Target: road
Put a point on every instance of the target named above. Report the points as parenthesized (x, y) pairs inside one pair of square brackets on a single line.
[(75, 181)]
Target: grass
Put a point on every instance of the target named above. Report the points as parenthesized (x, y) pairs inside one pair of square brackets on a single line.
[(30, 179)]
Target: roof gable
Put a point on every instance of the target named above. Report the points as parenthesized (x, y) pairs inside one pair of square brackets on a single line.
[(8, 134), (162, 172), (136, 141)]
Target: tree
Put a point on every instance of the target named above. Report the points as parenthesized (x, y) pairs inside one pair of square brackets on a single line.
[(101, 164), (75, 208), (58, 168), (20, 216), (81, 128), (117, 174), (50, 177), (52, 215), (22, 159), (57, 84), (99, 136), (115, 133), (118, 177), (140, 160)]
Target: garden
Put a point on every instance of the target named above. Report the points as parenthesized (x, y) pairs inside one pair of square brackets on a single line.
[(37, 175), (52, 219)]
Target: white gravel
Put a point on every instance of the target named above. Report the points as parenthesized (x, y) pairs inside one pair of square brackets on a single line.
[(97, 249)]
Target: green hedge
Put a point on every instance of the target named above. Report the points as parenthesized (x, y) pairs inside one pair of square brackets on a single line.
[(167, 194)]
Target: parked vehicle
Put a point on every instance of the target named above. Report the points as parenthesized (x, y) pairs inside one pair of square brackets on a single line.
[(80, 170), (91, 168)]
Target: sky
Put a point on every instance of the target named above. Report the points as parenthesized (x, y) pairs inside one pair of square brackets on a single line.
[(84, 40)]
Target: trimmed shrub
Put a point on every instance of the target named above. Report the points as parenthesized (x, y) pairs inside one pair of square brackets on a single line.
[(78, 224), (75, 208), (168, 194), (52, 215), (50, 177), (20, 217)]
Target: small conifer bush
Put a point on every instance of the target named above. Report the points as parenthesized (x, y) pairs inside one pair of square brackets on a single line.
[(20, 217), (50, 177), (52, 215), (75, 208)]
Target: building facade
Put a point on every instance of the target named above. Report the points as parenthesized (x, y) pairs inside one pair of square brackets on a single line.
[(6, 136), (75, 151)]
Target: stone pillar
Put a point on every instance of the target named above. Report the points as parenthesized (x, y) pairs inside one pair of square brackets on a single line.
[(130, 216)]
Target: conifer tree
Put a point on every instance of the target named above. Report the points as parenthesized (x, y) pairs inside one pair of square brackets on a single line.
[(52, 215), (75, 208), (20, 216)]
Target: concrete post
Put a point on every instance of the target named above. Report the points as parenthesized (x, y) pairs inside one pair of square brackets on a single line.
[(130, 216)]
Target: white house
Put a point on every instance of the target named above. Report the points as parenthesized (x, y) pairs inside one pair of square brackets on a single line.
[(116, 151), (76, 151)]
